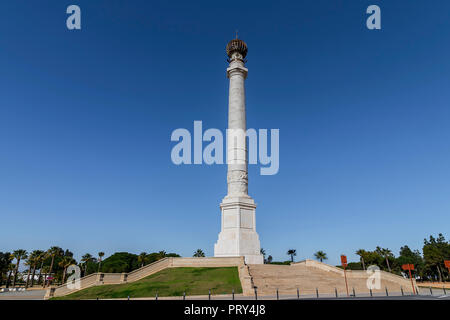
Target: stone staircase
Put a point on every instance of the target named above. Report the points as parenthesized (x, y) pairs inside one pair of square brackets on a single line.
[(309, 275), (98, 279), (306, 276)]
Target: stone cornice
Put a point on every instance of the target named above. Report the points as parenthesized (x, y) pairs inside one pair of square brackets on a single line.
[(237, 69)]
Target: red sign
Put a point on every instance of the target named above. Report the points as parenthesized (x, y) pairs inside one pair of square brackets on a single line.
[(407, 267), (344, 260), (447, 263)]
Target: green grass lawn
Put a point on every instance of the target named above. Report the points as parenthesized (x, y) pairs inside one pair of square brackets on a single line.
[(168, 282)]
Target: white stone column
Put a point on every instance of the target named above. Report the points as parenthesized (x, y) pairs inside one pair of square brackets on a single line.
[(238, 235), (237, 177)]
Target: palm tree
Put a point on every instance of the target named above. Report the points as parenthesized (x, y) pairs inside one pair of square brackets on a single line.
[(269, 259), (11, 268), (29, 262), (292, 253), (45, 270), (386, 253), (18, 255), (5, 260), (320, 255), (141, 258), (65, 263), (36, 256), (263, 252), (162, 254), (53, 252), (68, 253), (361, 253), (86, 258), (199, 253), (41, 260), (100, 256)]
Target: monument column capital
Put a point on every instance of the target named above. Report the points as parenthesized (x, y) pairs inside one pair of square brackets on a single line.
[(237, 69)]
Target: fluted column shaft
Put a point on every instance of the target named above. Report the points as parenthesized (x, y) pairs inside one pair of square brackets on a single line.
[(237, 177)]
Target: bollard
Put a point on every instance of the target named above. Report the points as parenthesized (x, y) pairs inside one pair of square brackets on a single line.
[(184, 295), (209, 294), (232, 294), (128, 297), (156, 297), (387, 293), (431, 291), (354, 294), (401, 288), (97, 298), (298, 294), (335, 292), (256, 294), (317, 293), (445, 292), (278, 297), (371, 293), (417, 291)]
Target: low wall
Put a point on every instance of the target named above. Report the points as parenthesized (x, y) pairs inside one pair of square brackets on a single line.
[(147, 270), (109, 278), (207, 262), (246, 280), (359, 274), (319, 265)]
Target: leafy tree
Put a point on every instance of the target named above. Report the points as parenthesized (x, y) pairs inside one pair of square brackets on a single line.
[(352, 266), (152, 257), (199, 253), (284, 263), (292, 253), (18, 255), (435, 251), (407, 256), (155, 256), (120, 262), (171, 254), (269, 259), (320, 255)]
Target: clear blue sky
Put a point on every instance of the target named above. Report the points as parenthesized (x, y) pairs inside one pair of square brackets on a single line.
[(86, 118)]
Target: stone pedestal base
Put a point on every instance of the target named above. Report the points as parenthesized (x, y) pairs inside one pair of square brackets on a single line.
[(238, 235)]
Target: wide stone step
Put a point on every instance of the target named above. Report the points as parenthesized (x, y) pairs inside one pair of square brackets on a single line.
[(269, 278)]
